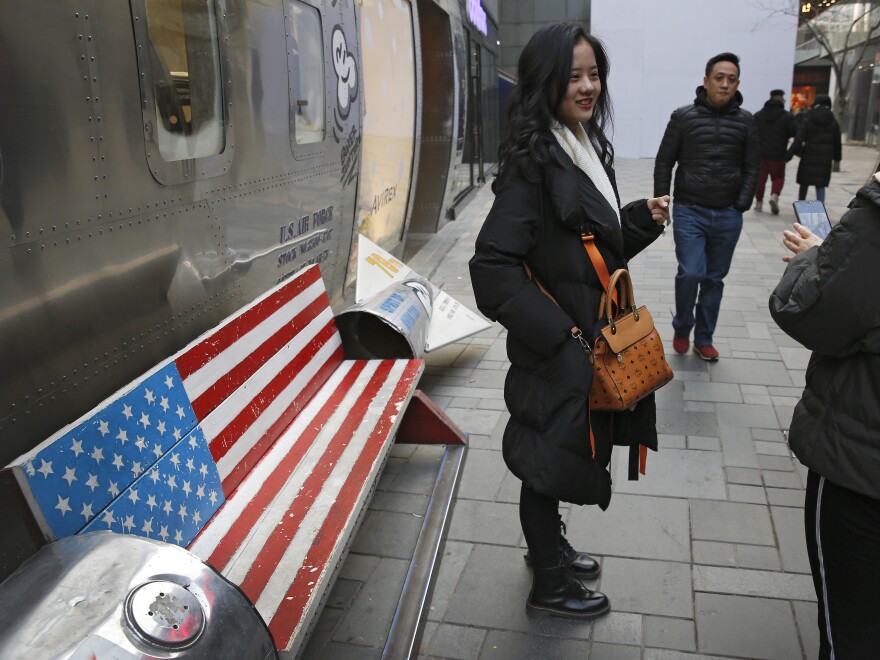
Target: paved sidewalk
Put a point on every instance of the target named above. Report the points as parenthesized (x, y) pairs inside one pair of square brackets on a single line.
[(703, 558)]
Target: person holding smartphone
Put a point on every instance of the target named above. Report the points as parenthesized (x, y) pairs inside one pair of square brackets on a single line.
[(825, 300)]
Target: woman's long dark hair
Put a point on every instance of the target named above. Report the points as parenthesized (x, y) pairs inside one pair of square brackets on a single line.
[(544, 71)]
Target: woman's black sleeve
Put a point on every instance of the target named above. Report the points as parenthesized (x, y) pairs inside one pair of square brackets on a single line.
[(639, 228), (502, 289)]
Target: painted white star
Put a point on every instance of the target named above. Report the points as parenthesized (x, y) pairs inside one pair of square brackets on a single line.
[(213, 496), (87, 511), (172, 482), (168, 508), (154, 475), (77, 448), (197, 517), (161, 428), (136, 468), (148, 395), (133, 496), (45, 468), (190, 464), (103, 427), (163, 402), (186, 488), (113, 489), (128, 524), (178, 537), (182, 513), (163, 533), (126, 410), (145, 420), (63, 505), (200, 491), (169, 382), (203, 470), (117, 461), (180, 412), (69, 476), (92, 482), (140, 443), (148, 526), (157, 450), (98, 455), (177, 434), (151, 501), (175, 458), (193, 441), (122, 436), (108, 518)]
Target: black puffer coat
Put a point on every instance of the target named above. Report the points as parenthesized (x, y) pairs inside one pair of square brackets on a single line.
[(827, 301), (775, 127), (547, 442), (817, 143), (717, 152)]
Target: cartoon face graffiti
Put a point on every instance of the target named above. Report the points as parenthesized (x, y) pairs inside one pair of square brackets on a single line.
[(346, 73)]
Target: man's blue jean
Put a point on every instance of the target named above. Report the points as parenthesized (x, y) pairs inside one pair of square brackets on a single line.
[(705, 239)]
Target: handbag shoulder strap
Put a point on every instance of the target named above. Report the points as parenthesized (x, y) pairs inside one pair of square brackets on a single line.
[(588, 239)]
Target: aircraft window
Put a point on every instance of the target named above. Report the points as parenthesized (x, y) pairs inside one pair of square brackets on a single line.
[(185, 65), (306, 46)]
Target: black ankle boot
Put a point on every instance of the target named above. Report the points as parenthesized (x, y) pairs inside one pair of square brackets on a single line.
[(579, 563), (557, 592)]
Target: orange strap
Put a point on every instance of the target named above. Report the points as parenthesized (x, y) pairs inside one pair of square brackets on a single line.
[(589, 242), (643, 459), (592, 441)]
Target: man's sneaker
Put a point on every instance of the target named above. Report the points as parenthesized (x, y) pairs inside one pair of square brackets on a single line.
[(681, 345), (774, 204), (707, 352), (759, 205)]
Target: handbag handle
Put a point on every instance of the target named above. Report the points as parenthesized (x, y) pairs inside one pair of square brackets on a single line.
[(621, 282)]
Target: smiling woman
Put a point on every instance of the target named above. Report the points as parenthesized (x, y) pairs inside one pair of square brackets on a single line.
[(556, 184)]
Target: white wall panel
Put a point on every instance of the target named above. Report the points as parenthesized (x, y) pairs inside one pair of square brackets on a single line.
[(658, 54)]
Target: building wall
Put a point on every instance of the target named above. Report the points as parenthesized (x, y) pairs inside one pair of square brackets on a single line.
[(519, 19), (658, 54)]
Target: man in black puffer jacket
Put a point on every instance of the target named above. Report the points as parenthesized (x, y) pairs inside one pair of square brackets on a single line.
[(716, 147), (775, 127)]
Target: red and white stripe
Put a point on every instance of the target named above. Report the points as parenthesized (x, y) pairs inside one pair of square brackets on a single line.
[(248, 378), (281, 533)]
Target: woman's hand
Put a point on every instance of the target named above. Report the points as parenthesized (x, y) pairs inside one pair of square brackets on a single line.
[(659, 208), (799, 240)]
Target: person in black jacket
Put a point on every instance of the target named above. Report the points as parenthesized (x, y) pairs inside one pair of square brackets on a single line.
[(818, 144), (556, 180), (714, 142), (821, 301), (775, 127)]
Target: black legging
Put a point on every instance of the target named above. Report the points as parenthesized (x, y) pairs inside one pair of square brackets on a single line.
[(539, 517), (843, 542)]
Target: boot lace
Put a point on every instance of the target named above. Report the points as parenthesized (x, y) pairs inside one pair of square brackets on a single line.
[(566, 550)]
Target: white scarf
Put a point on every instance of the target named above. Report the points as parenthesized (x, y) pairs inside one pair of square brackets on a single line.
[(581, 151)]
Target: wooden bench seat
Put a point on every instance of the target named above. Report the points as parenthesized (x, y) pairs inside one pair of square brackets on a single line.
[(258, 447)]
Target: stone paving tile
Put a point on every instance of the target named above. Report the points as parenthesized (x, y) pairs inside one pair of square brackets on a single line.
[(737, 447), (615, 652), (744, 414), (722, 622), (719, 392), (485, 522), (731, 521), (483, 473), (667, 633), (785, 497), (619, 628), (389, 534), (714, 553), (789, 526), (674, 473), (452, 564), (747, 582), (703, 444), (805, 616), (633, 526), (648, 587), (749, 494), (745, 476), (760, 557), (778, 463), (456, 642), (503, 645)]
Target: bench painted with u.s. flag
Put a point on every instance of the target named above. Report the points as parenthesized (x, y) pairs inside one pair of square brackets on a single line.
[(256, 447)]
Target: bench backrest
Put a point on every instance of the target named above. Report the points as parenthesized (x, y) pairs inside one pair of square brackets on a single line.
[(193, 426)]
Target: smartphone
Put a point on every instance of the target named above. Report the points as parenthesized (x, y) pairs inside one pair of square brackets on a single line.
[(811, 214)]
